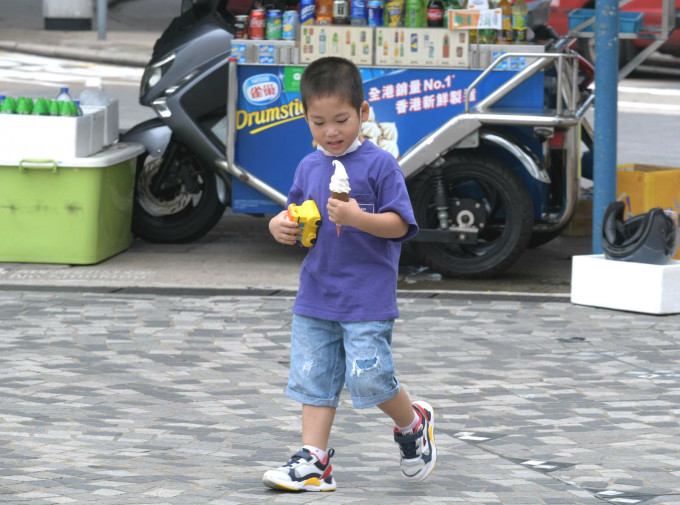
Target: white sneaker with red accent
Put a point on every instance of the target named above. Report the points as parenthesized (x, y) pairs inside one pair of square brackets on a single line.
[(303, 472), (418, 452)]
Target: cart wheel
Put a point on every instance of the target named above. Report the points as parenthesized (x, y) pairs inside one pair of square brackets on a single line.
[(504, 217), (175, 214)]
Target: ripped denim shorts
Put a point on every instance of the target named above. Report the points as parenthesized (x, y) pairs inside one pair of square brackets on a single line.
[(325, 355)]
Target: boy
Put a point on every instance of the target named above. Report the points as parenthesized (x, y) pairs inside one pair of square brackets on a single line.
[(346, 303)]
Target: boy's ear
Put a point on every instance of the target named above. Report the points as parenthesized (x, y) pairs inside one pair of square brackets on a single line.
[(365, 108)]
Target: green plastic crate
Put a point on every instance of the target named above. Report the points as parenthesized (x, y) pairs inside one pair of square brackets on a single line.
[(76, 211)]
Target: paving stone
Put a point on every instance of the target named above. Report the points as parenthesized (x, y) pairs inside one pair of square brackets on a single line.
[(139, 399)]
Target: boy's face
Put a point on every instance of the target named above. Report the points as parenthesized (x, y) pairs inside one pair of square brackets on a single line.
[(334, 123)]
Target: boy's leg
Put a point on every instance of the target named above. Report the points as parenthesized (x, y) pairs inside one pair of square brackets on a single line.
[(399, 409), (370, 377), (316, 425), (414, 432), (309, 469), (317, 375)]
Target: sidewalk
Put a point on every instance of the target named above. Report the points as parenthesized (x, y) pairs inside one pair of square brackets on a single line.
[(132, 29), (135, 399)]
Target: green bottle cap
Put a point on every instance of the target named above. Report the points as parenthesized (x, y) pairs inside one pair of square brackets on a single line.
[(41, 107), (9, 106)]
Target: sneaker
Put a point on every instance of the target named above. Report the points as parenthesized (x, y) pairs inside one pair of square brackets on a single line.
[(303, 472), (418, 452)]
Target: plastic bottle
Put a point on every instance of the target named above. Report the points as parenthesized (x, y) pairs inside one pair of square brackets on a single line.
[(41, 107), (505, 34), (451, 5), (9, 106), (488, 35), (472, 4), (24, 105), (357, 12), (63, 96), (2, 99), (79, 111), (435, 13), (520, 18), (94, 97), (324, 12), (414, 11), (53, 107)]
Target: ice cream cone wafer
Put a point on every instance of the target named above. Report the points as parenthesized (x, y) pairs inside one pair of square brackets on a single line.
[(343, 197), (340, 196)]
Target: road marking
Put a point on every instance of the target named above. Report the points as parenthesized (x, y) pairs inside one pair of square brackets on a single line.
[(649, 108), (44, 71), (650, 91)]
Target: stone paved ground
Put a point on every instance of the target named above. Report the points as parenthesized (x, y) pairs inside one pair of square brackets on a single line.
[(146, 399)]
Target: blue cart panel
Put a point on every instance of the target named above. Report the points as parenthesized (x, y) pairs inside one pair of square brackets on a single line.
[(406, 106)]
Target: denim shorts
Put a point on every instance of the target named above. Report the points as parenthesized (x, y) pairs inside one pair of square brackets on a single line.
[(325, 355)]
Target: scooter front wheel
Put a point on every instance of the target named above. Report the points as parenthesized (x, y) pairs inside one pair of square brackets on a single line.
[(181, 207)]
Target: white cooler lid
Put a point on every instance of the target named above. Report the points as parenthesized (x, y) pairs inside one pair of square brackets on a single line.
[(110, 155)]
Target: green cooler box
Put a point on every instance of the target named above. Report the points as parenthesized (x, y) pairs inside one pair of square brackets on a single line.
[(74, 211)]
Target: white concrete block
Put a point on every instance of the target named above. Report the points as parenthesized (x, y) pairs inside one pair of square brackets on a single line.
[(622, 285)]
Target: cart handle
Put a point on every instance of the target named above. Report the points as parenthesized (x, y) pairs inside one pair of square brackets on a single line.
[(29, 164)]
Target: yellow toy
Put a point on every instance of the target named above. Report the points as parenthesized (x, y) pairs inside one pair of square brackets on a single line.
[(308, 217)]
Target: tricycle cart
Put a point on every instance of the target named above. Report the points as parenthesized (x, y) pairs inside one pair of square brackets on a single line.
[(490, 152)]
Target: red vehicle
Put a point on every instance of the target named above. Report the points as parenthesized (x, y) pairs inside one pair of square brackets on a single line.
[(652, 9)]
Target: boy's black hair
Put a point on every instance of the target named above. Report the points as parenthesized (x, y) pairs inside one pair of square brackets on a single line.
[(332, 76)]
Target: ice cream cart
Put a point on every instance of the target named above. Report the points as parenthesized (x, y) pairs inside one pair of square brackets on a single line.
[(488, 136)]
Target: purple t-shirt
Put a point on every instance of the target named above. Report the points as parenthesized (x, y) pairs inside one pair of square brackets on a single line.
[(352, 277)]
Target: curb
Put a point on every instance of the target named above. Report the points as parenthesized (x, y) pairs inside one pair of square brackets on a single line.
[(289, 293), (83, 54)]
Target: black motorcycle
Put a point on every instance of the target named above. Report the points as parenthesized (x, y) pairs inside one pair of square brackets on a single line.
[(180, 194)]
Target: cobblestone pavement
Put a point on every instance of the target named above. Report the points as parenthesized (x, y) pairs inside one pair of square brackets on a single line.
[(147, 399)]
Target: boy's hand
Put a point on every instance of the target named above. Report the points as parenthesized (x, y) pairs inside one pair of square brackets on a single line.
[(283, 231), (343, 213)]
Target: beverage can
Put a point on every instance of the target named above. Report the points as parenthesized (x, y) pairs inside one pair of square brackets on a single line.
[(256, 25), (375, 13), (241, 27), (340, 12), (274, 26), (357, 12), (291, 20), (307, 12)]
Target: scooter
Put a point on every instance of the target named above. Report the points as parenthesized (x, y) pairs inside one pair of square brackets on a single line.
[(179, 193)]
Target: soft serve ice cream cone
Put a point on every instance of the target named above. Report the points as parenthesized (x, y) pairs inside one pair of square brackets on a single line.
[(339, 185)]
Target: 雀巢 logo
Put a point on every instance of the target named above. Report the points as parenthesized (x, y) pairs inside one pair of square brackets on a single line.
[(262, 89)]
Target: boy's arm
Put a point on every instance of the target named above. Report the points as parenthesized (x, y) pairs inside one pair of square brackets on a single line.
[(384, 225)]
